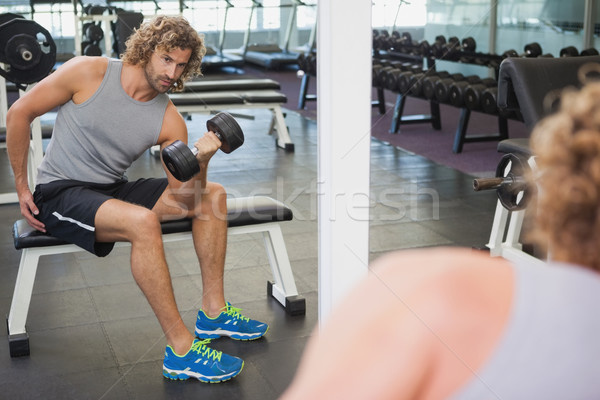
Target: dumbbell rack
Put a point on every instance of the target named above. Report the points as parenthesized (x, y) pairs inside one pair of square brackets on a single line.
[(460, 137), (106, 19), (487, 60), (398, 117)]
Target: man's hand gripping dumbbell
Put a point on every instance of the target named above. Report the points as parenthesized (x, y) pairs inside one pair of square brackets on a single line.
[(182, 162)]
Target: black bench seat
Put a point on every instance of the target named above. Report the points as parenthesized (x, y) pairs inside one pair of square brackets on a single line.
[(229, 85), (256, 214), (240, 212), (222, 98)]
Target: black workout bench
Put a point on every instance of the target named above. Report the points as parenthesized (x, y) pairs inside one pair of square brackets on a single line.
[(211, 96), (244, 215)]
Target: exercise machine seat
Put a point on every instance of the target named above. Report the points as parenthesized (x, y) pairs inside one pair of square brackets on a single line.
[(525, 84)]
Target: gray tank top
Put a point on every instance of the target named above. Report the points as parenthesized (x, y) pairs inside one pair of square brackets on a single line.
[(551, 346), (97, 140)]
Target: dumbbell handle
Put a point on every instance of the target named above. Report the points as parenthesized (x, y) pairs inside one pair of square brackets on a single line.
[(195, 150), (494, 183)]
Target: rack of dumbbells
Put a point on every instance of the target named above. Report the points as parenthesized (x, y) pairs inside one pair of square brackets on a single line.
[(475, 94), (394, 69), (399, 65), (472, 93), (94, 20), (469, 93), (91, 30)]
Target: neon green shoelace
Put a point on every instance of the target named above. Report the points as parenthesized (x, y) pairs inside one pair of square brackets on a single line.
[(203, 350), (235, 313)]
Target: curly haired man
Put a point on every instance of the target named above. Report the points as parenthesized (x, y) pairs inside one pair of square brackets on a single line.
[(109, 112)]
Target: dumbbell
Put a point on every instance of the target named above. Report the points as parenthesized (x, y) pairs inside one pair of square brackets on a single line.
[(416, 81), (458, 90), (94, 32), (442, 86), (380, 40), (441, 48), (398, 41), (489, 102), (388, 78), (426, 49), (531, 50), (404, 79), (589, 52), (569, 51), (181, 160), (473, 93), (509, 183), (379, 71), (428, 82), (90, 49)]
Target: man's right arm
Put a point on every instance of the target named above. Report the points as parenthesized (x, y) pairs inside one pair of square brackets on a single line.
[(53, 91)]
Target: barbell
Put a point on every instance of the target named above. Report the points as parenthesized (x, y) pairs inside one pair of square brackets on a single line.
[(27, 49), (510, 183)]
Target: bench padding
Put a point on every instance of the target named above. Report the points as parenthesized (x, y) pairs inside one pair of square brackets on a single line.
[(240, 212), (233, 98), (229, 85)]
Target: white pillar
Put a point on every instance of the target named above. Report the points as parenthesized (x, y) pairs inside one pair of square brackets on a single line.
[(344, 129)]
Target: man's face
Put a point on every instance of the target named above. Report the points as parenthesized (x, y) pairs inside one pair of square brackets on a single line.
[(163, 69)]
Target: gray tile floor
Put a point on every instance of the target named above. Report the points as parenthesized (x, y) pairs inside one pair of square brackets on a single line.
[(93, 336)]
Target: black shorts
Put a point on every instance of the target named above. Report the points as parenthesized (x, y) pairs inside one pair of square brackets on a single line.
[(68, 208)]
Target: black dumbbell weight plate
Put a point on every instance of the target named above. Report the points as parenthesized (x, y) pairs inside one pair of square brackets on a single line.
[(94, 33), (228, 130), (92, 50), (180, 161)]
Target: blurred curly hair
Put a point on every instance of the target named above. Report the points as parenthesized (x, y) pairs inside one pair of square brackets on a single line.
[(567, 149), (166, 33)]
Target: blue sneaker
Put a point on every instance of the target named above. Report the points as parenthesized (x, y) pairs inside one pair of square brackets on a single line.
[(201, 362), (229, 323)]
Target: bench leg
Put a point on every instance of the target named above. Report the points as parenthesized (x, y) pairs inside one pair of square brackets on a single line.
[(283, 136), (498, 228), (284, 287), (18, 339)]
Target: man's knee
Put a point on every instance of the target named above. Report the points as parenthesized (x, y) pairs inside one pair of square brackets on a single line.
[(145, 223), (214, 202)]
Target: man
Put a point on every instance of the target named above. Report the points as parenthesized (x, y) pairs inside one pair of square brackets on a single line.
[(457, 324), (111, 111)]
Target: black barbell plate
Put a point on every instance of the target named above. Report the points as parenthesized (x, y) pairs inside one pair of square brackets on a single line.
[(19, 26), (23, 52), (5, 17), (513, 196)]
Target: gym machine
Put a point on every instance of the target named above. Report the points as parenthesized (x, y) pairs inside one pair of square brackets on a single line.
[(271, 56), (523, 88), (216, 58)]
